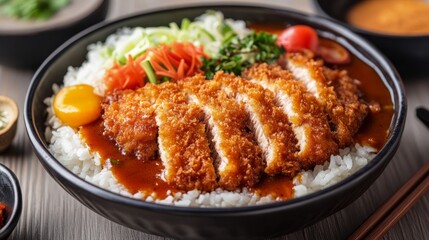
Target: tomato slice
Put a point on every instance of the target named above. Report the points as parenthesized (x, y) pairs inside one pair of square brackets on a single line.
[(297, 38), (333, 52)]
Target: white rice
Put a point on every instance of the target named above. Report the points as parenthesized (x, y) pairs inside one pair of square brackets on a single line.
[(68, 148)]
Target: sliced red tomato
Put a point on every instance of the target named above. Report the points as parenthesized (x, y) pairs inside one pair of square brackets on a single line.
[(297, 38), (333, 52)]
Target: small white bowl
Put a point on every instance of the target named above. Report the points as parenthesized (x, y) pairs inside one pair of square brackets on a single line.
[(8, 121)]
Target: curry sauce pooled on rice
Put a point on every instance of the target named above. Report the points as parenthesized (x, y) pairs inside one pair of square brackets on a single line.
[(216, 114)]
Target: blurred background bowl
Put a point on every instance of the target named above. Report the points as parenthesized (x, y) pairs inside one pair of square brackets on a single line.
[(25, 44), (10, 195), (9, 111), (409, 53)]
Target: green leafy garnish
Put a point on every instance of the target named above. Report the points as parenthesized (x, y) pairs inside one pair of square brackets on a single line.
[(237, 54), (228, 33), (185, 24), (114, 161), (149, 71), (31, 9)]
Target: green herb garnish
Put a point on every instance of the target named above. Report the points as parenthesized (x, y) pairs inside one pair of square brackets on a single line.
[(228, 33), (238, 54), (185, 24), (114, 161), (149, 71), (31, 9), (3, 120)]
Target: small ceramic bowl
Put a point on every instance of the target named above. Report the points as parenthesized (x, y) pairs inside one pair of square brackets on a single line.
[(25, 44), (8, 121), (10, 195), (409, 54)]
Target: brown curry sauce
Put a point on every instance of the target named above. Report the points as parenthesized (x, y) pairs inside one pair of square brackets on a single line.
[(146, 176)]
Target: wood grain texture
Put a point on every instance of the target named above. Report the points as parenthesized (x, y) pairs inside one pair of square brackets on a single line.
[(51, 213)]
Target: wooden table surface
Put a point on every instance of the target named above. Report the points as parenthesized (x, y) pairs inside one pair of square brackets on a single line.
[(51, 213)]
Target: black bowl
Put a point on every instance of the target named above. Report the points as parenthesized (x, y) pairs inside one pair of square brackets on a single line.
[(409, 54), (217, 223), (28, 45), (10, 194)]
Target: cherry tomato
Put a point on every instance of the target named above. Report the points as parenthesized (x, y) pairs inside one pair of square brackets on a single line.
[(333, 52), (298, 37)]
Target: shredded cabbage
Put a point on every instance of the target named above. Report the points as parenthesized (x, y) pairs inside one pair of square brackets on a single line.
[(209, 30)]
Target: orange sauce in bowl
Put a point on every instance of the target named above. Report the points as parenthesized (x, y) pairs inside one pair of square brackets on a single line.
[(400, 17), (135, 175)]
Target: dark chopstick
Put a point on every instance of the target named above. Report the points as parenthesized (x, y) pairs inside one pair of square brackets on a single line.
[(400, 211), (423, 114), (390, 213)]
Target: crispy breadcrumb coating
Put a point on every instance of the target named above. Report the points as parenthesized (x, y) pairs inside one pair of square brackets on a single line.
[(239, 160), (183, 145), (309, 122), (129, 119), (311, 73), (269, 124), (230, 131)]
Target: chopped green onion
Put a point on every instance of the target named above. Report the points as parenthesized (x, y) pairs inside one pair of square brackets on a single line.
[(165, 79), (106, 52), (228, 37), (227, 33), (209, 35), (114, 161), (185, 24), (149, 71)]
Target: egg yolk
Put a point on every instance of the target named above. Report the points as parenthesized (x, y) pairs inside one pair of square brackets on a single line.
[(77, 105)]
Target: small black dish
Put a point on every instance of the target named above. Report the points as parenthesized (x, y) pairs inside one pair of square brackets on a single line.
[(254, 222), (10, 194), (409, 54), (27, 44)]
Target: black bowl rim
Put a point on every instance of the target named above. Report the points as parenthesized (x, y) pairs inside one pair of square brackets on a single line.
[(396, 90), (15, 214), (320, 9)]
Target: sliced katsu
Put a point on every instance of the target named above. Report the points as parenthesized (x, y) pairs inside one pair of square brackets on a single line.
[(157, 118), (351, 110), (308, 120), (310, 73), (269, 124), (183, 146), (238, 158), (129, 119), (231, 131)]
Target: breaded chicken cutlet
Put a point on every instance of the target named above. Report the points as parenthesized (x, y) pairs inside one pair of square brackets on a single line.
[(335, 91), (308, 120), (183, 146), (230, 131), (129, 118), (238, 158), (270, 125)]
